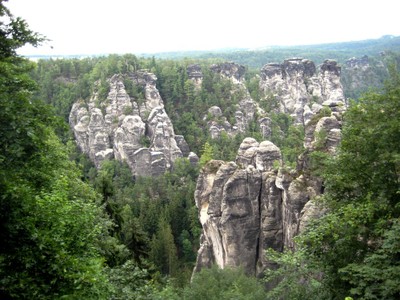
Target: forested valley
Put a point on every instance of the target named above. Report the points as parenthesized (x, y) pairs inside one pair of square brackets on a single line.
[(73, 230)]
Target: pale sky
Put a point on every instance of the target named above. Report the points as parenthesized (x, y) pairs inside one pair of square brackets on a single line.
[(149, 26)]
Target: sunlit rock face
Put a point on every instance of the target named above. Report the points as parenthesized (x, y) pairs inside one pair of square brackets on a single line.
[(301, 89), (128, 126)]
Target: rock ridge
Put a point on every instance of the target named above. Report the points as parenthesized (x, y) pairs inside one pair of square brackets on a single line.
[(128, 123), (297, 87)]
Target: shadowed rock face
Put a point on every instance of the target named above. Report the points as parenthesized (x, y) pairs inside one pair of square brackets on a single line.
[(195, 74), (300, 89), (228, 196), (362, 73), (253, 204), (230, 70), (137, 131)]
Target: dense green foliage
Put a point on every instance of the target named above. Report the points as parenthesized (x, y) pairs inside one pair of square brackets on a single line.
[(216, 283), (50, 222), (154, 217), (354, 249)]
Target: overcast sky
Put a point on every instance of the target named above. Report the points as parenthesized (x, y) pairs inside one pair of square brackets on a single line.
[(148, 26)]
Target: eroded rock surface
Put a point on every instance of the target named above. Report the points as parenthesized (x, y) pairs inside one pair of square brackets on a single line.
[(128, 126), (299, 88), (254, 203)]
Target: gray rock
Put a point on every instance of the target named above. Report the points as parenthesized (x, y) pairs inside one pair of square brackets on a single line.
[(254, 204), (230, 70), (327, 128), (194, 71), (247, 152), (296, 85), (229, 214), (359, 75), (182, 145), (267, 156), (265, 127), (193, 158), (137, 131), (195, 74), (215, 111), (247, 108), (357, 62)]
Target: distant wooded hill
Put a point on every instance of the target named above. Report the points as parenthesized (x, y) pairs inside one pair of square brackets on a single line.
[(256, 58), (317, 53)]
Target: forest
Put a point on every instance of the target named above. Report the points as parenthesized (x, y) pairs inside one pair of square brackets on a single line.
[(70, 230)]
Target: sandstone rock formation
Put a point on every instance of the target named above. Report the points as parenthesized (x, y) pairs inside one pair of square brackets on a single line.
[(128, 126), (195, 74), (296, 87), (246, 108), (254, 203), (362, 73)]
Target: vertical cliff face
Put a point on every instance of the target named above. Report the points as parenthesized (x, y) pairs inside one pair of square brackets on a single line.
[(298, 88), (254, 203), (130, 125)]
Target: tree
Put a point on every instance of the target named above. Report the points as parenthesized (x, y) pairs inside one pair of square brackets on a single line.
[(50, 221), (215, 283), (163, 251), (206, 155), (14, 33)]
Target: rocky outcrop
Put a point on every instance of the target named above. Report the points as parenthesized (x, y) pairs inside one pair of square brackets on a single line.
[(195, 74), (354, 62), (230, 70), (300, 89), (254, 203), (362, 73), (245, 107), (129, 124), (296, 87)]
